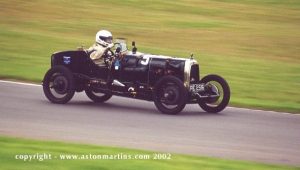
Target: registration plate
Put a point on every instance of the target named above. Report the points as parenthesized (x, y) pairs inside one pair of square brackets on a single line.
[(197, 88)]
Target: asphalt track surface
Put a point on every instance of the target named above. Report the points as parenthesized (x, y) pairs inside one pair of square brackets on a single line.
[(241, 134)]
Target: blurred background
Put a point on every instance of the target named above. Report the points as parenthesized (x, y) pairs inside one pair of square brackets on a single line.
[(254, 44)]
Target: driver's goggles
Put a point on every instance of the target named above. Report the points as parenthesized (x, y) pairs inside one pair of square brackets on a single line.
[(107, 39)]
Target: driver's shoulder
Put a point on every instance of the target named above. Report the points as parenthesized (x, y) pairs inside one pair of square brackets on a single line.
[(97, 48)]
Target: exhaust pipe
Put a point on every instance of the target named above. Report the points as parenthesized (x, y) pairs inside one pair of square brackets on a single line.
[(117, 83)]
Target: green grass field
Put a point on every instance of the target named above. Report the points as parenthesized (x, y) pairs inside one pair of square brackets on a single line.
[(254, 44), (10, 147)]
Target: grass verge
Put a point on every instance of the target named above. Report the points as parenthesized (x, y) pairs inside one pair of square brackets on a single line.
[(10, 147)]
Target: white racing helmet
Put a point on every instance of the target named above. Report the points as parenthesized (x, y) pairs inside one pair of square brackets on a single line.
[(104, 37)]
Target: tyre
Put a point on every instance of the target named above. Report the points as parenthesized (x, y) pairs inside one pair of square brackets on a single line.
[(218, 92), (170, 95), (58, 85), (97, 97)]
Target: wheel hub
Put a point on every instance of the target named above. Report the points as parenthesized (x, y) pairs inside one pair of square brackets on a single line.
[(60, 85), (213, 90), (170, 96)]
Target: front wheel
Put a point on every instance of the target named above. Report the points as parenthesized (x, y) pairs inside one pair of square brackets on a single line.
[(170, 95), (97, 97), (216, 95), (58, 85)]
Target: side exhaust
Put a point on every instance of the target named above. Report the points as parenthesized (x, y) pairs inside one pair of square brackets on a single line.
[(117, 83)]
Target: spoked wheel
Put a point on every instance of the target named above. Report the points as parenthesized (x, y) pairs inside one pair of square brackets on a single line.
[(97, 97), (216, 95), (58, 85), (170, 95)]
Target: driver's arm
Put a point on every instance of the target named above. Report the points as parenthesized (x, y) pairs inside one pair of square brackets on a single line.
[(98, 53)]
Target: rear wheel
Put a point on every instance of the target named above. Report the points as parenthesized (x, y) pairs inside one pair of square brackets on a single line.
[(217, 94), (170, 95), (58, 85), (97, 97)]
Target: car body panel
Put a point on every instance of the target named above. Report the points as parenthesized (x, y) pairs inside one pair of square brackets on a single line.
[(142, 68)]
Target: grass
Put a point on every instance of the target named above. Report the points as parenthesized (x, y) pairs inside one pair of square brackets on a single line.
[(254, 44), (10, 147)]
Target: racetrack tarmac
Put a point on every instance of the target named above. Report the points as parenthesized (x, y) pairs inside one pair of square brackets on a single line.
[(235, 133)]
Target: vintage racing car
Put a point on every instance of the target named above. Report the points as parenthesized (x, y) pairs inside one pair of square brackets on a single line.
[(170, 82)]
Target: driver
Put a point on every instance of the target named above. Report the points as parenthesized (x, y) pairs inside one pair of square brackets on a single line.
[(104, 41)]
